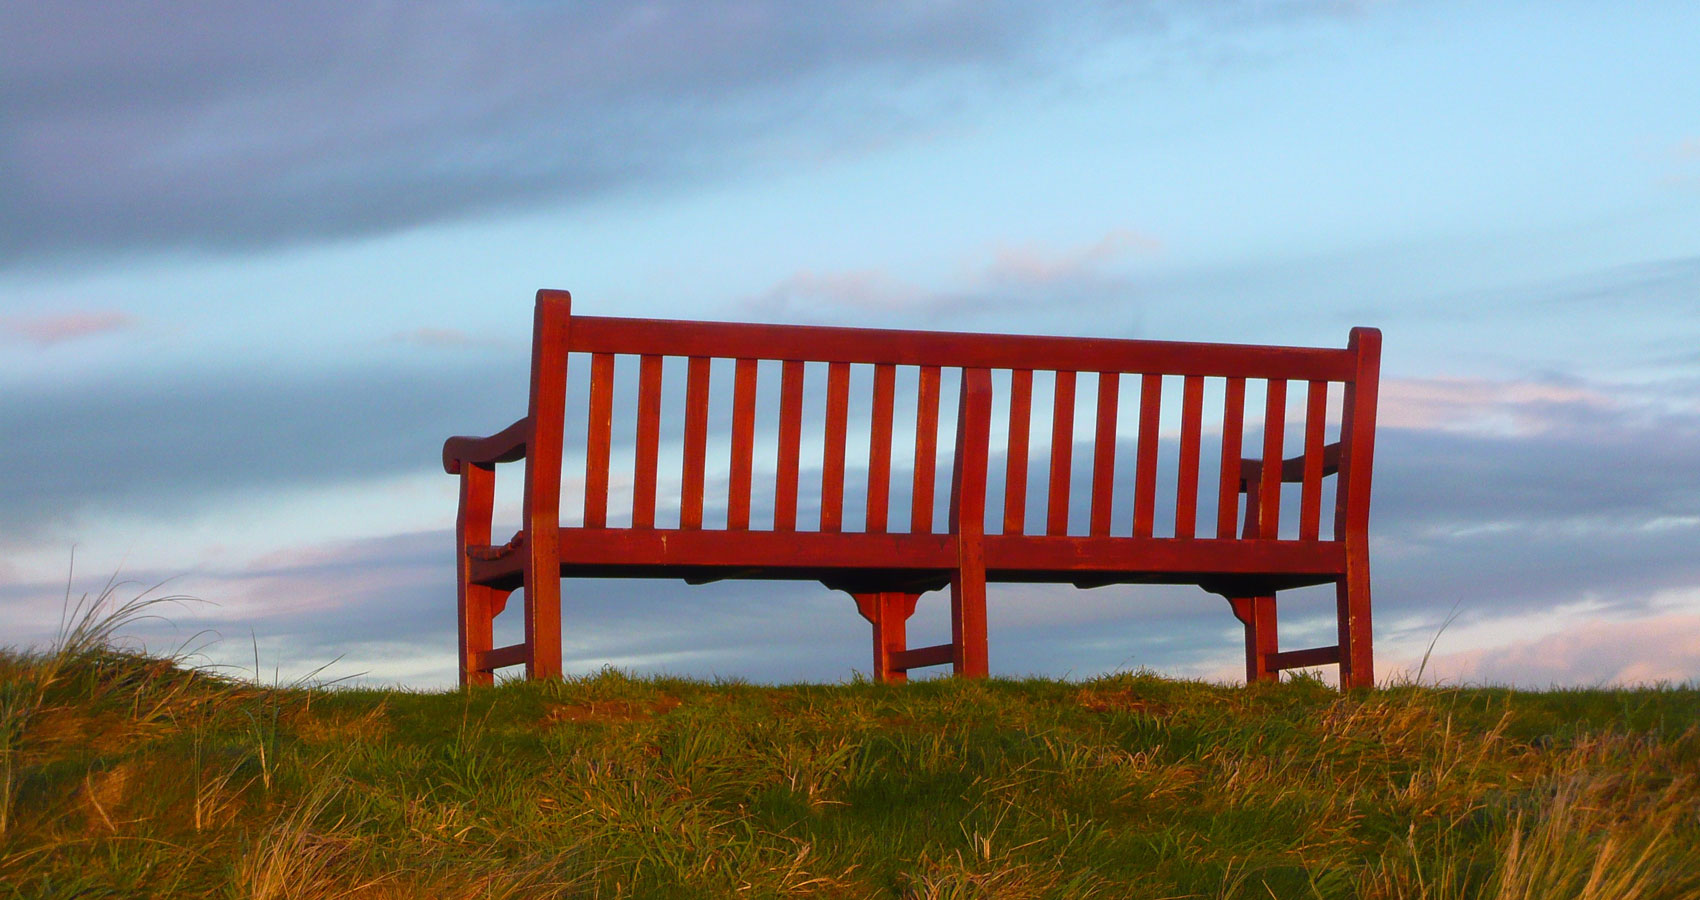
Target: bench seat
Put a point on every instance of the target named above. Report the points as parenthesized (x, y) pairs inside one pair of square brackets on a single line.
[(923, 560)]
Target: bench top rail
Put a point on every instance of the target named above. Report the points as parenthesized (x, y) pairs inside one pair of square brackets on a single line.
[(830, 344)]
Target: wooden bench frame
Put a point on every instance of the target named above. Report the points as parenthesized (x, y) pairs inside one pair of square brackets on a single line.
[(887, 571)]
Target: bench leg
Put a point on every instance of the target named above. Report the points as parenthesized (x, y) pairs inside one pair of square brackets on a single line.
[(476, 605), (968, 612), (888, 612), (1261, 642), (1351, 593), (543, 612), (479, 607), (476, 632)]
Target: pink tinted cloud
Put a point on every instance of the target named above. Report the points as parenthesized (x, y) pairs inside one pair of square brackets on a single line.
[(1473, 404), (1640, 651), (1594, 652), (58, 328), (1031, 263), (985, 284)]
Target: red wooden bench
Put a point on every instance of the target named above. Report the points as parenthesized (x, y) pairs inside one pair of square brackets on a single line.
[(886, 569)]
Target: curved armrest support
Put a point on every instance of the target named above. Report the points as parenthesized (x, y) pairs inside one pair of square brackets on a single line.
[(506, 445), (1251, 470)]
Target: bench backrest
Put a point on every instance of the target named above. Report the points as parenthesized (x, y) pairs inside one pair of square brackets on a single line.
[(1319, 395)]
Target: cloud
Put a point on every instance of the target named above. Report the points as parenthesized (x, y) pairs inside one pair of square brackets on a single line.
[(854, 292), (173, 444), (240, 125), (1475, 404), (1036, 264), (59, 328), (1661, 285), (1003, 289), (1591, 652), (1600, 452)]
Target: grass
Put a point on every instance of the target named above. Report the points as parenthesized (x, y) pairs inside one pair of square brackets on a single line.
[(125, 775)]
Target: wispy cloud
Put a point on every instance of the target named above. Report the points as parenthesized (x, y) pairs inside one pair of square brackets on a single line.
[(59, 328), (1009, 285), (855, 292), (1476, 404), (1033, 263)]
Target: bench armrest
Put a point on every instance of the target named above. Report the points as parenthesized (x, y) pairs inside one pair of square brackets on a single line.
[(506, 445), (1251, 470)]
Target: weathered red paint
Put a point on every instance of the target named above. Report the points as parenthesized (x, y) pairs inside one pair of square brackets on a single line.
[(1245, 560)]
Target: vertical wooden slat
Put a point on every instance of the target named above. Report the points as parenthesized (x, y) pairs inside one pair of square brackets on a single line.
[(832, 460), (1186, 490), (1015, 470), (926, 450), (790, 438), (696, 443), (648, 441), (967, 522), (1062, 454), (1104, 451), (743, 445), (1310, 492), (879, 448), (1145, 466), (1233, 433), (1274, 431), (598, 441)]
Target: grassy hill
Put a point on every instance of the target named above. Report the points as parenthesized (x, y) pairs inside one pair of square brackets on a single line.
[(128, 776)]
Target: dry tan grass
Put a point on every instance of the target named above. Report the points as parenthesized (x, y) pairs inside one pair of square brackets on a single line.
[(617, 787)]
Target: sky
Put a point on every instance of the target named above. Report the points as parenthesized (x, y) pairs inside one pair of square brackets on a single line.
[(257, 262)]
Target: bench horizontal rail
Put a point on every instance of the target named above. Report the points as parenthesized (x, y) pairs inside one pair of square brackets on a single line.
[(816, 343), (501, 657), (921, 657), (1304, 659)]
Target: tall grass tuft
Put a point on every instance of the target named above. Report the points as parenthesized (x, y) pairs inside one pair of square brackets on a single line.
[(86, 639)]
